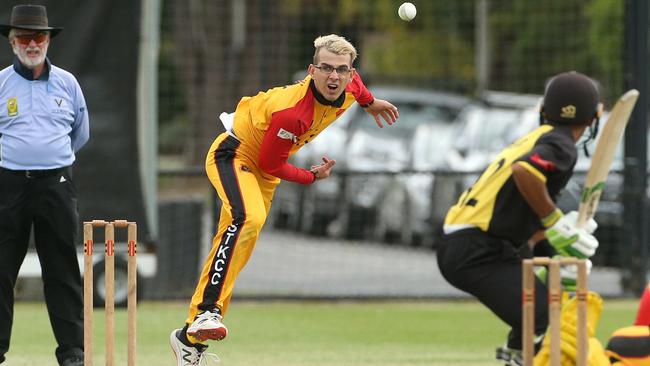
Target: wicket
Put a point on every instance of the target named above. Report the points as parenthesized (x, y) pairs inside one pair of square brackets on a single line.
[(109, 273), (555, 308)]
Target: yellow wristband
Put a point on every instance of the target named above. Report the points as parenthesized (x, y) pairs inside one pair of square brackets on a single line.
[(552, 218)]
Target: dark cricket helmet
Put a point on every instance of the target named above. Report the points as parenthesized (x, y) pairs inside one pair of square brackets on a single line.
[(571, 98)]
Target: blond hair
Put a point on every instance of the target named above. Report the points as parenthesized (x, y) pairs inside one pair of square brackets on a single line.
[(335, 44)]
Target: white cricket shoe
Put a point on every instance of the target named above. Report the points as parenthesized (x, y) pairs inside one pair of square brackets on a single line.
[(190, 356), (208, 326)]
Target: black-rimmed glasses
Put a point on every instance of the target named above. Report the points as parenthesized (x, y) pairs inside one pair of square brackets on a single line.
[(328, 69)]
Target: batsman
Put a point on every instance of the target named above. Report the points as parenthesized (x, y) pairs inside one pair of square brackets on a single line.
[(514, 202)]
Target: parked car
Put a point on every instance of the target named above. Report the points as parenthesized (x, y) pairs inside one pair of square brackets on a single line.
[(371, 199), (485, 130), (405, 214)]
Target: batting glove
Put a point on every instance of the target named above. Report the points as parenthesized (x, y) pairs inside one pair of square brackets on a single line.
[(569, 240), (569, 276), (590, 226)]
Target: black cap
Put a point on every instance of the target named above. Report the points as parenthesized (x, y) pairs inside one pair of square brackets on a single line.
[(571, 98)]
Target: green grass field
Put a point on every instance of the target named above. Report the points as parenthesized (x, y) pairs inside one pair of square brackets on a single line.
[(307, 333)]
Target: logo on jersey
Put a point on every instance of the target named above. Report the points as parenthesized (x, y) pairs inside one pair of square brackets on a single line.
[(286, 135), (12, 107), (223, 255), (60, 106), (568, 111), (544, 164)]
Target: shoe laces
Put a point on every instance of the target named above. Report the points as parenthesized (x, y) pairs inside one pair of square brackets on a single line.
[(210, 314), (207, 359)]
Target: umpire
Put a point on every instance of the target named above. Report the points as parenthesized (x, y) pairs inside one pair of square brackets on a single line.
[(43, 123)]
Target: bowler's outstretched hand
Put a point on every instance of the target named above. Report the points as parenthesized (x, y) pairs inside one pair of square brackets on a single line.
[(383, 109)]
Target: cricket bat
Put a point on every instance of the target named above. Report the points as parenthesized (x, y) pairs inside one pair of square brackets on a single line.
[(601, 162)]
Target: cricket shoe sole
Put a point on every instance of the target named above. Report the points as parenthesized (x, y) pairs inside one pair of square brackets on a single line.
[(212, 334), (207, 326)]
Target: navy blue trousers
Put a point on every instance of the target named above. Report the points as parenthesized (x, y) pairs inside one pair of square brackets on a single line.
[(490, 268)]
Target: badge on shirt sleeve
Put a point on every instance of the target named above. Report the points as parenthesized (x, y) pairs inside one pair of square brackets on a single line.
[(12, 107), (286, 135)]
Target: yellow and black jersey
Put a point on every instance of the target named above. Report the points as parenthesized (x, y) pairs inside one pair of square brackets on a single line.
[(495, 205)]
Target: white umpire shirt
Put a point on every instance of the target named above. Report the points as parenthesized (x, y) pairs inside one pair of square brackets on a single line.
[(43, 122)]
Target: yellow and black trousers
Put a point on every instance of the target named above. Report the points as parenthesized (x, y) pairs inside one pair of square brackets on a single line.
[(246, 199)]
